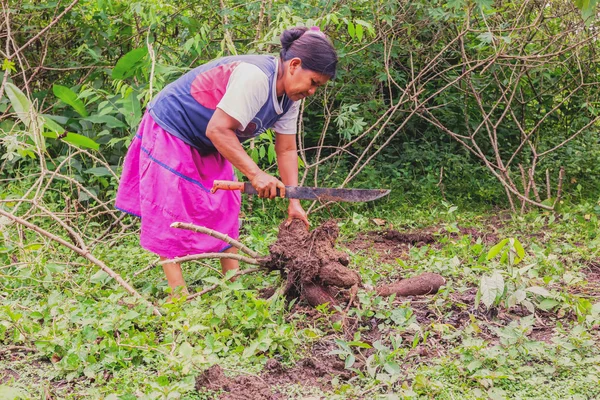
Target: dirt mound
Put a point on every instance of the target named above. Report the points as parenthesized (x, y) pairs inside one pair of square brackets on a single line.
[(410, 238), (390, 245), (240, 388), (310, 262), (316, 271), (268, 386)]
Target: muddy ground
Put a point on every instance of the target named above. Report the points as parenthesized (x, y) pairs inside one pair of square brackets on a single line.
[(386, 245), (390, 244), (316, 371)]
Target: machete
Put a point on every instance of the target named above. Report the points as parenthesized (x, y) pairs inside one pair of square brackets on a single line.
[(308, 193)]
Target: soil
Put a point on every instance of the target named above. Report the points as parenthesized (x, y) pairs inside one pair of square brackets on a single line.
[(390, 245), (310, 256), (7, 376), (593, 272), (270, 384), (319, 273)]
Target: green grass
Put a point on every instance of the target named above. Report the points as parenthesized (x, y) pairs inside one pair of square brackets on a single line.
[(91, 340)]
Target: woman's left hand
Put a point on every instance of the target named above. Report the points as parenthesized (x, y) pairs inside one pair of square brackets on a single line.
[(295, 211)]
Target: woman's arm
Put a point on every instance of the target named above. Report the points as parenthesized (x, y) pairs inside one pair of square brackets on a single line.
[(287, 158), (287, 161), (221, 132)]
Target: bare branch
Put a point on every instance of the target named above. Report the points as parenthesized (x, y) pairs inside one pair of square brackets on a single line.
[(217, 235)]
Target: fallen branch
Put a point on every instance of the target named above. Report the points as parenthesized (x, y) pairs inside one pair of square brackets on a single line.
[(10, 349), (218, 235), (84, 253), (229, 256)]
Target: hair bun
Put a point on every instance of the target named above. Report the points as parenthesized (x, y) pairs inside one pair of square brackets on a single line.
[(290, 35)]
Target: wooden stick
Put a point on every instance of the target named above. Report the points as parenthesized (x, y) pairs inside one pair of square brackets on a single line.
[(218, 235), (230, 256), (548, 191), (141, 271), (83, 253), (534, 186), (526, 188), (10, 349), (561, 177)]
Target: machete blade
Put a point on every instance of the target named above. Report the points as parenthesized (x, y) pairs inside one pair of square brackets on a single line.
[(327, 194)]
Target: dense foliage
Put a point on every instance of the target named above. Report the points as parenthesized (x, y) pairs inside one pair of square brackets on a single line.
[(463, 93)]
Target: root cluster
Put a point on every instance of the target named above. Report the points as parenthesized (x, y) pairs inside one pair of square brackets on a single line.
[(319, 273)]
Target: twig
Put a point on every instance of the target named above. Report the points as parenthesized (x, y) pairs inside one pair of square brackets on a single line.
[(148, 268), (561, 177), (10, 349), (217, 235), (50, 25), (548, 191), (526, 187), (229, 256), (84, 253), (534, 186)]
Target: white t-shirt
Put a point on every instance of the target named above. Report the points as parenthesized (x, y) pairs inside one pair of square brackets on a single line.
[(247, 91)]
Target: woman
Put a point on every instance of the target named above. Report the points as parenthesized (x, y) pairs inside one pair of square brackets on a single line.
[(191, 136)]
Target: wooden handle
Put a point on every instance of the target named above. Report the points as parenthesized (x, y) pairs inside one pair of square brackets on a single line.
[(227, 185)]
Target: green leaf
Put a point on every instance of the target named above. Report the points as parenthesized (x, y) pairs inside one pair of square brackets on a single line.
[(519, 249), (109, 120), (486, 37), (81, 141), (349, 361), (491, 288), (8, 65), (496, 249), (69, 97), (351, 29), (99, 171), (539, 291), (271, 153), (360, 344), (33, 247), (250, 350), (19, 102), (126, 65), (220, 310), (186, 350), (366, 25), (99, 277), (53, 127), (391, 368), (131, 110), (359, 32), (548, 304)]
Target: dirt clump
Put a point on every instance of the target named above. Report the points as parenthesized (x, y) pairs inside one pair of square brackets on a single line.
[(317, 272), (425, 283), (273, 379), (240, 388), (410, 238), (310, 262)]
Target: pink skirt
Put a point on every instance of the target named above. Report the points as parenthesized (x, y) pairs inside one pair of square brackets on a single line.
[(165, 180)]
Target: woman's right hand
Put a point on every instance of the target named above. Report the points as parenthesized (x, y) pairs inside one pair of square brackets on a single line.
[(266, 185)]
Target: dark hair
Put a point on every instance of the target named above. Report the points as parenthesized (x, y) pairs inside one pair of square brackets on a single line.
[(312, 47)]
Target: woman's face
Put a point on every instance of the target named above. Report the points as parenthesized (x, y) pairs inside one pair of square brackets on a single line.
[(300, 82)]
